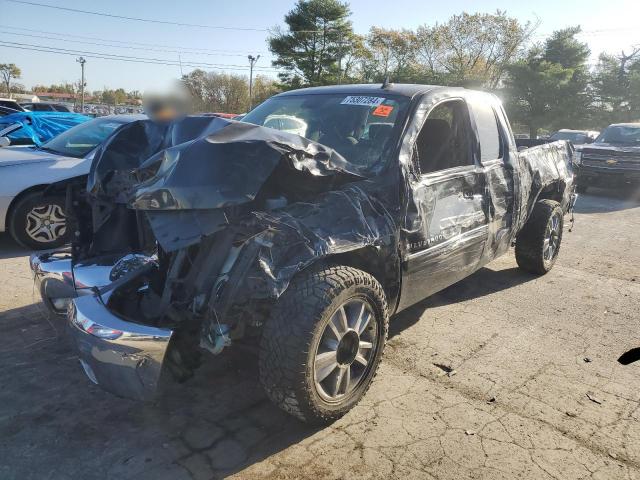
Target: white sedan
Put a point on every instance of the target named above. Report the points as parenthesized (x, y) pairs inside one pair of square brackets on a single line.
[(35, 220)]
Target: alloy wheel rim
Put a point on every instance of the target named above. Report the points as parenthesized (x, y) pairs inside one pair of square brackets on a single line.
[(46, 223), (346, 349), (551, 238)]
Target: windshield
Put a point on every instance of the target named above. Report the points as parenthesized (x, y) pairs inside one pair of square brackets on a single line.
[(358, 127), (81, 139), (573, 137), (626, 135)]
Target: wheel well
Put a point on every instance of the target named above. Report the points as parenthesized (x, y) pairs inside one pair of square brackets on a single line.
[(375, 263), (18, 198), (553, 191)]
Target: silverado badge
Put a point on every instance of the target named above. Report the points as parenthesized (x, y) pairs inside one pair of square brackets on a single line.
[(612, 161)]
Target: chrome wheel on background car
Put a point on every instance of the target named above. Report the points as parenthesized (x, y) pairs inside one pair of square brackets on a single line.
[(46, 223), (345, 350), (38, 222)]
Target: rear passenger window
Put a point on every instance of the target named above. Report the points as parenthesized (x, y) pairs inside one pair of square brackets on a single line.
[(487, 131), (444, 141)]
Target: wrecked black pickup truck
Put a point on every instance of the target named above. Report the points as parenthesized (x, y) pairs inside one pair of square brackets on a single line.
[(299, 230)]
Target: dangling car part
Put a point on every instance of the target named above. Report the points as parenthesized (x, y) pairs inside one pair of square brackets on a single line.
[(196, 234)]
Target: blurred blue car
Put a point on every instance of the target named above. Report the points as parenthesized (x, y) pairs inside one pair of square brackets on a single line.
[(35, 128)]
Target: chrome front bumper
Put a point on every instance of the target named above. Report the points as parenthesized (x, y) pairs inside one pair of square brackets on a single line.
[(53, 276), (122, 357), (58, 279)]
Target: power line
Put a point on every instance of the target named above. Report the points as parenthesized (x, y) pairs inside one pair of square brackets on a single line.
[(125, 58), (148, 49), (182, 49), (137, 19), (151, 20)]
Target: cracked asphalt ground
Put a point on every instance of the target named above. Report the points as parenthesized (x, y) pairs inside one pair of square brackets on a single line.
[(533, 388)]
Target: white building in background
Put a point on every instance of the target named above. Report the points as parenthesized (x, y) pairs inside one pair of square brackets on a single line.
[(25, 97)]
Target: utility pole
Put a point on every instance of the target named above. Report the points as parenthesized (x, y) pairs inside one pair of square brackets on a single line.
[(81, 61), (252, 62)]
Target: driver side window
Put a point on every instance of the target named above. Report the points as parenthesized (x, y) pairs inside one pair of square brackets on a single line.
[(444, 141)]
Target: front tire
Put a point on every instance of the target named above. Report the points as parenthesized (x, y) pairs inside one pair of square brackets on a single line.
[(538, 243), (323, 343), (38, 222)]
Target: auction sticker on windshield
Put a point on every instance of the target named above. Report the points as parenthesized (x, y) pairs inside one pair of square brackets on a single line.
[(366, 101)]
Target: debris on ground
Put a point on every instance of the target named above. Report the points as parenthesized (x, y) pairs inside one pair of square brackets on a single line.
[(469, 432), (587, 360), (446, 369), (593, 398), (491, 400)]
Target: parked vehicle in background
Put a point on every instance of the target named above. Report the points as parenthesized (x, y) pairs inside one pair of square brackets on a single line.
[(9, 103), (7, 111), (192, 236), (46, 107), (229, 116), (34, 219), (612, 159), (35, 128), (576, 137)]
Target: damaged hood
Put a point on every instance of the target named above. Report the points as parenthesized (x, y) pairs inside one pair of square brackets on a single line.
[(25, 155), (200, 163)]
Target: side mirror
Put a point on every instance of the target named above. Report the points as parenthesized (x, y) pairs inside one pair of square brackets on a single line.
[(590, 140), (4, 142)]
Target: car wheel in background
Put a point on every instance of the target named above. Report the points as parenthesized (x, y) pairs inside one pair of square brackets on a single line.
[(38, 222)]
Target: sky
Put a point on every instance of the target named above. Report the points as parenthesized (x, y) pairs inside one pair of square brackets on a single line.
[(608, 25)]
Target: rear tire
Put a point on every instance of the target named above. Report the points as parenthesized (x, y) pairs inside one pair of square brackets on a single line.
[(538, 243), (326, 308), (37, 222)]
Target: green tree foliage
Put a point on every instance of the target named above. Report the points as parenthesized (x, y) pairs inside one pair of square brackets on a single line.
[(9, 71), (549, 87), (223, 92), (471, 49), (389, 53), (317, 37), (616, 86), (55, 88), (114, 97)]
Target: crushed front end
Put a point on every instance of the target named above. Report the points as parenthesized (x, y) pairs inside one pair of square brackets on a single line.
[(187, 232)]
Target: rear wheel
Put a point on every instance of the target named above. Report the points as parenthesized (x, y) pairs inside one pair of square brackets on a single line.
[(323, 343), (538, 243), (38, 222)]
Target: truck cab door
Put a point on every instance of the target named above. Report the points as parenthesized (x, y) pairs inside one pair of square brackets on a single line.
[(491, 127), (446, 220)]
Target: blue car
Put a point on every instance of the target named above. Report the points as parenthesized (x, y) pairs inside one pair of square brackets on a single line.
[(35, 128)]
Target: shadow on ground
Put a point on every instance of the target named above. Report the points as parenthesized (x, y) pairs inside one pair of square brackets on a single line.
[(54, 423), (483, 282), (9, 248)]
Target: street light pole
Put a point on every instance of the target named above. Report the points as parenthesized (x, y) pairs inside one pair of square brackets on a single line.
[(252, 62), (81, 61)]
